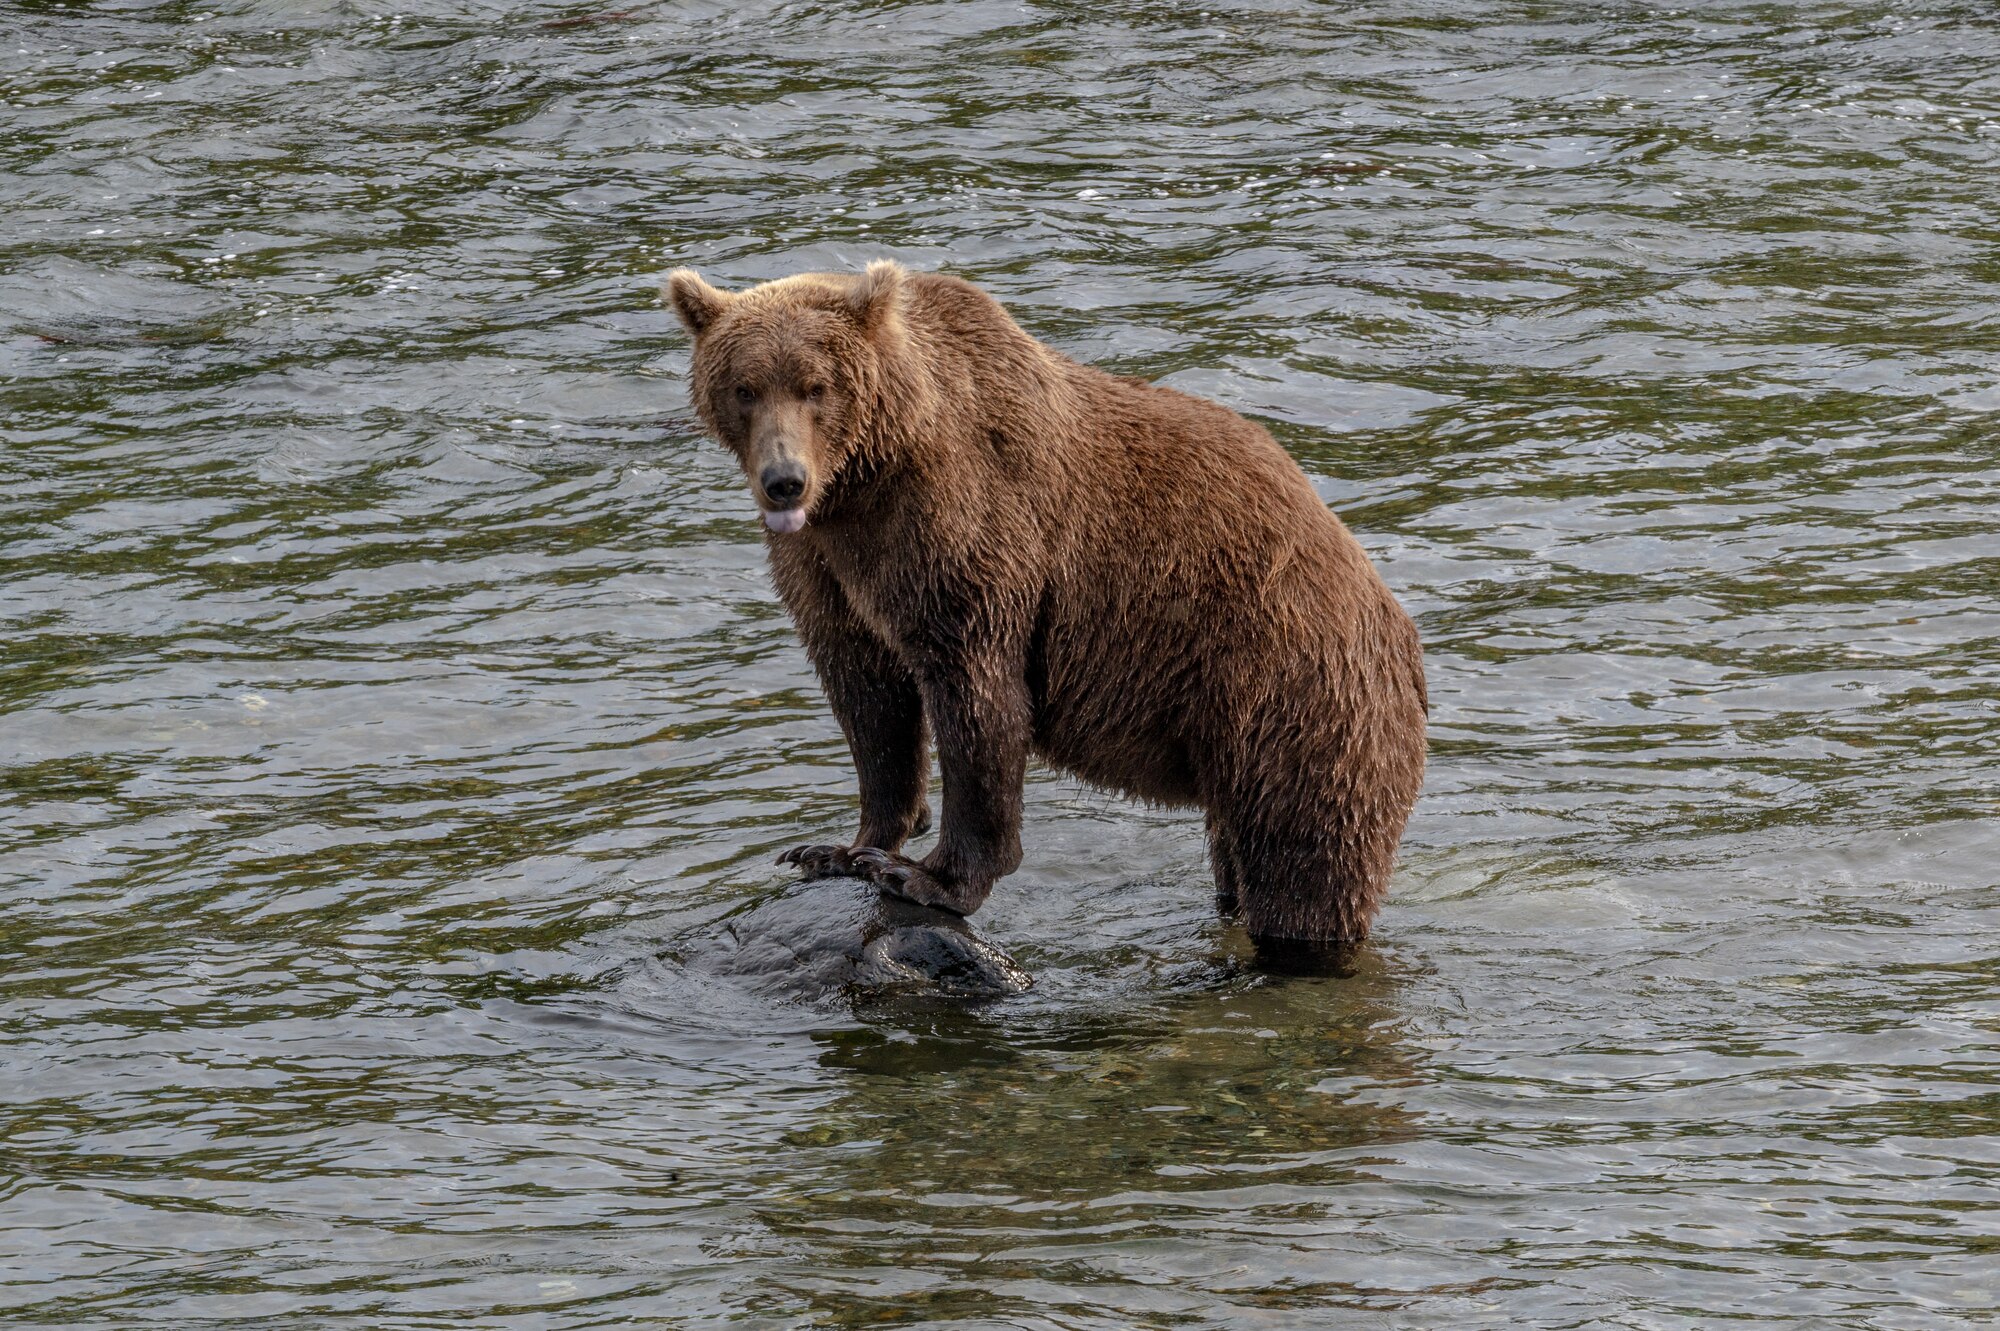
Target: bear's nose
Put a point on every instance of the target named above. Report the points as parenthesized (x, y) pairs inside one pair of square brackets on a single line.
[(783, 484)]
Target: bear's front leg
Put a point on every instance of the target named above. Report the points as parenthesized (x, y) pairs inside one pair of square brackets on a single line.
[(882, 715), (880, 711), (876, 701), (981, 719)]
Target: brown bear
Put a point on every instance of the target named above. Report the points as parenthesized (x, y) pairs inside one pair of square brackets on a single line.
[(979, 537)]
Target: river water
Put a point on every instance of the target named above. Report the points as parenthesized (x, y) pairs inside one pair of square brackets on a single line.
[(394, 707)]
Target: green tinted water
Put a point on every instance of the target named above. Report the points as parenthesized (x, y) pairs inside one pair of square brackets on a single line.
[(393, 703)]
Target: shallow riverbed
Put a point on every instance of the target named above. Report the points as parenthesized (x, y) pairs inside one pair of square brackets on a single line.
[(393, 707)]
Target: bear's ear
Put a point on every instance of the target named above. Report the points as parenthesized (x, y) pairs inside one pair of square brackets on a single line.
[(872, 299), (696, 302)]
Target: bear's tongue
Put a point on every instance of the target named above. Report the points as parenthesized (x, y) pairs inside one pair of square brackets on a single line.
[(786, 520)]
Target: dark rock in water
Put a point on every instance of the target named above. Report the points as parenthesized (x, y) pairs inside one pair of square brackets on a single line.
[(840, 937)]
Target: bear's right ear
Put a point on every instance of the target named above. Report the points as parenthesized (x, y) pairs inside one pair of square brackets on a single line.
[(696, 302)]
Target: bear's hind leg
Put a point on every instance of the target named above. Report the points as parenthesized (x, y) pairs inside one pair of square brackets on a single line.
[(1311, 880), (1228, 871)]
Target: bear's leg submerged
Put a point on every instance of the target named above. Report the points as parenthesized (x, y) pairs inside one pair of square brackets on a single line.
[(1302, 883), (1311, 838), (1310, 785)]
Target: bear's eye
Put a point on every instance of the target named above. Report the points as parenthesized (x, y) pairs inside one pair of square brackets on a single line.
[(744, 396), (815, 392)]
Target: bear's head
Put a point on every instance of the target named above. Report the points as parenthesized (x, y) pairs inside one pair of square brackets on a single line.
[(787, 374)]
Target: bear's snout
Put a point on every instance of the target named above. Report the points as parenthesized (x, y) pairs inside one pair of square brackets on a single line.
[(783, 483)]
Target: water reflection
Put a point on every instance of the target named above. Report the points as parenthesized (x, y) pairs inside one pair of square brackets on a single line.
[(1201, 1145)]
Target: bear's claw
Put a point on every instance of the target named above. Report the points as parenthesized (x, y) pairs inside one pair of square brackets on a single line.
[(905, 878), (873, 862), (820, 861), (894, 874)]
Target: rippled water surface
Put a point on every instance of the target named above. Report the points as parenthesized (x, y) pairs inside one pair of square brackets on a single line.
[(394, 707)]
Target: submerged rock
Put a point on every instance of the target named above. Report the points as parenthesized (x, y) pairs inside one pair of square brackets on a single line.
[(840, 937)]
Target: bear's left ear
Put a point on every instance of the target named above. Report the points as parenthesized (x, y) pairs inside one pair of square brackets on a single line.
[(696, 302), (872, 299)]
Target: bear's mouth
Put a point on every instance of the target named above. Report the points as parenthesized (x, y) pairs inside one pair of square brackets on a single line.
[(785, 519)]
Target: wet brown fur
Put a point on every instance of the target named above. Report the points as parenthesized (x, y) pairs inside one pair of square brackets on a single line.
[(1023, 554)]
